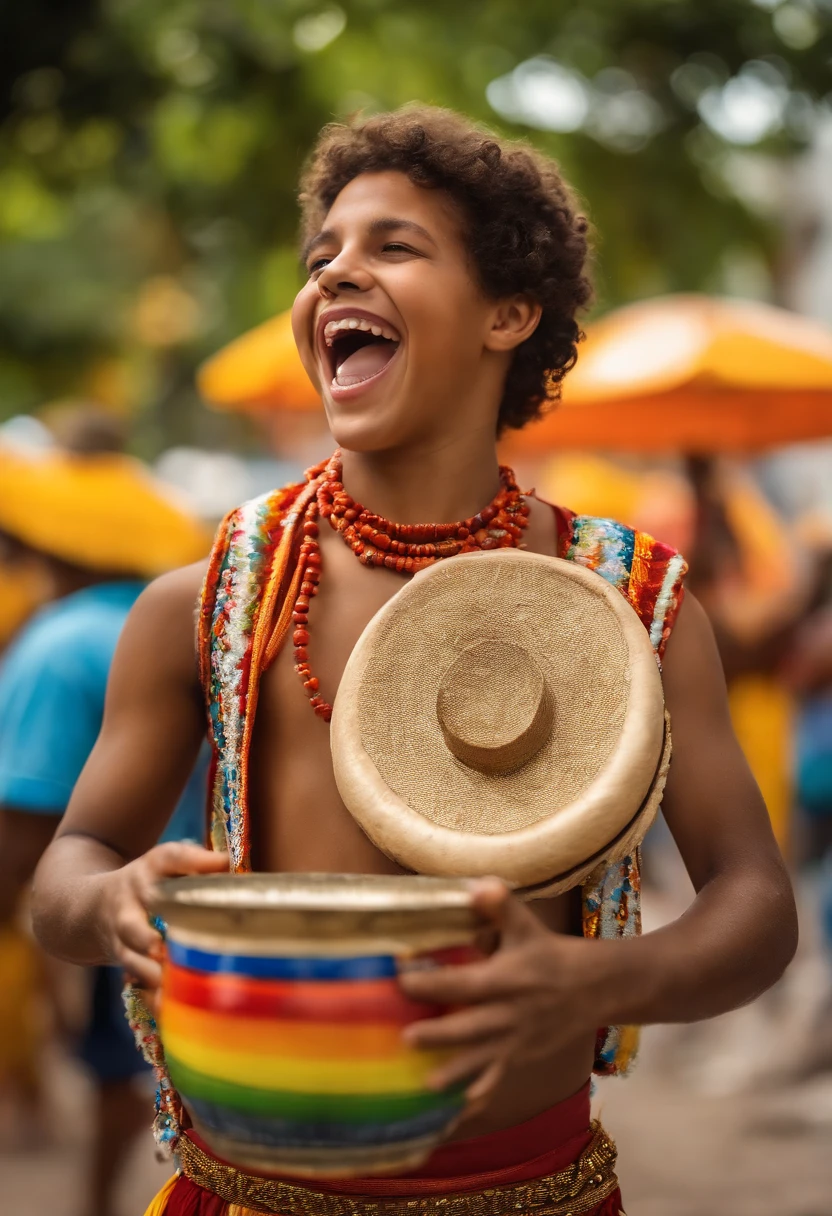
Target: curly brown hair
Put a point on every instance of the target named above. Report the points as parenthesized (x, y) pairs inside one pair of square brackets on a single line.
[(522, 229)]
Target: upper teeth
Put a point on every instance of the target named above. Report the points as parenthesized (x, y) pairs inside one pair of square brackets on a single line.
[(371, 327)]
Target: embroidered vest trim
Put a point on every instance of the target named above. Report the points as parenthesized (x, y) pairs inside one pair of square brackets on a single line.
[(244, 617)]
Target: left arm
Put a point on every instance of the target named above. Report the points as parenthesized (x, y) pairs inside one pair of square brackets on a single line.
[(740, 932), (540, 990)]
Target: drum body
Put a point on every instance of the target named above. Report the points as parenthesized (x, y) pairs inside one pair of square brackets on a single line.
[(281, 1017)]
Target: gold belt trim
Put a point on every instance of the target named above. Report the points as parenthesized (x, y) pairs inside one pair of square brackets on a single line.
[(580, 1188)]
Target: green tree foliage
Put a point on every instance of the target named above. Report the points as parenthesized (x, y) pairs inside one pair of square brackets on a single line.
[(149, 151)]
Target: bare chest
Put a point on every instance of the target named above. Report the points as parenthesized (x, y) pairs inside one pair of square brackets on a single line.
[(298, 820)]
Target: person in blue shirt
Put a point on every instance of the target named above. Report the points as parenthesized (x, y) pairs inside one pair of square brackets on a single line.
[(53, 680)]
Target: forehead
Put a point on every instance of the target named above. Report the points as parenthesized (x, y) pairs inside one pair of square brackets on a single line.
[(391, 194)]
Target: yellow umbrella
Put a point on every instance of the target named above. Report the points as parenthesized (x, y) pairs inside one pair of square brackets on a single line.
[(104, 512), (260, 370), (694, 374)]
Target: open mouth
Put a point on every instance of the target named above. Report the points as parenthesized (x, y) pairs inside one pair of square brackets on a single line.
[(358, 349)]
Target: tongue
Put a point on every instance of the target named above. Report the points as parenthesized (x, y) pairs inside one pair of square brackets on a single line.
[(364, 363)]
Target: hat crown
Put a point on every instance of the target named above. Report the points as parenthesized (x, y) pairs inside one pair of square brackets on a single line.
[(494, 707)]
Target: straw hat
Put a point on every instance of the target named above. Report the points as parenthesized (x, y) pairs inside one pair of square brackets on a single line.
[(103, 512), (503, 714)]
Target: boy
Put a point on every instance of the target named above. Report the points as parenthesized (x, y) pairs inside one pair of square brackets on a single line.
[(445, 273)]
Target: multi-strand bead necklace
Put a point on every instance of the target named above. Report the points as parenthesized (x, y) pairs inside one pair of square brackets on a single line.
[(405, 548)]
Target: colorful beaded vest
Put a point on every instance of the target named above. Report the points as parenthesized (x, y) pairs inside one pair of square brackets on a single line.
[(245, 616)]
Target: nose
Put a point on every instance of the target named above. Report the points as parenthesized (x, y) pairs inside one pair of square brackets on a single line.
[(343, 274)]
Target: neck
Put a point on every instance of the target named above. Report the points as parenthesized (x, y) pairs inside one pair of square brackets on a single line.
[(427, 483)]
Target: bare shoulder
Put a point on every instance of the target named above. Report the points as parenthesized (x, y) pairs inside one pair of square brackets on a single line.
[(163, 622), (175, 591)]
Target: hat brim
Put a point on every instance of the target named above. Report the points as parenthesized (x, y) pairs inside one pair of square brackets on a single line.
[(624, 844), (419, 804)]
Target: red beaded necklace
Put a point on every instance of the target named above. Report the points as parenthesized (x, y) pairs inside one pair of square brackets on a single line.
[(405, 548)]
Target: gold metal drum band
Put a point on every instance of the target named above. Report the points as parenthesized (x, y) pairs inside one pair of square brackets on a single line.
[(577, 1189)]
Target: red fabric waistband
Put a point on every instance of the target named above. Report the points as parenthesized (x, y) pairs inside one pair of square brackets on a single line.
[(550, 1132), (543, 1145)]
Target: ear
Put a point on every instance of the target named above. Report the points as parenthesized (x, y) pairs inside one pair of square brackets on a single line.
[(512, 322)]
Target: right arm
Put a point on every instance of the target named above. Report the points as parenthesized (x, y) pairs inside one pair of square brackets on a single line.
[(94, 881)]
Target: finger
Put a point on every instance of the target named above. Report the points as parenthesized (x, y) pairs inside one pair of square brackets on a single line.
[(479, 1092), (143, 971), (459, 1029), (464, 1066), (487, 939), (133, 930), (465, 984), (513, 919), (177, 857), (481, 1089), (173, 860)]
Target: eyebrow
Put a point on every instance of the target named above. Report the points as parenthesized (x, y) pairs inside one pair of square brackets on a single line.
[(381, 225)]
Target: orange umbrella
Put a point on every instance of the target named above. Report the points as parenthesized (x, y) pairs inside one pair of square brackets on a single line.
[(694, 374), (260, 370)]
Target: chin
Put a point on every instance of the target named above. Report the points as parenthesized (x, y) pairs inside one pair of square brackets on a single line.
[(375, 418), (367, 431)]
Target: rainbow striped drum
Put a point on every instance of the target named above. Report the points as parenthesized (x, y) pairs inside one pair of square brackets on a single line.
[(281, 1016)]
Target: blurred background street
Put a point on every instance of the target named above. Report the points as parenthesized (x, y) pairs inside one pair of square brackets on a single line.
[(149, 154)]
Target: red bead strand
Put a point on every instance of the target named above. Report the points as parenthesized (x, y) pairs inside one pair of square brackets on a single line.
[(405, 548)]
